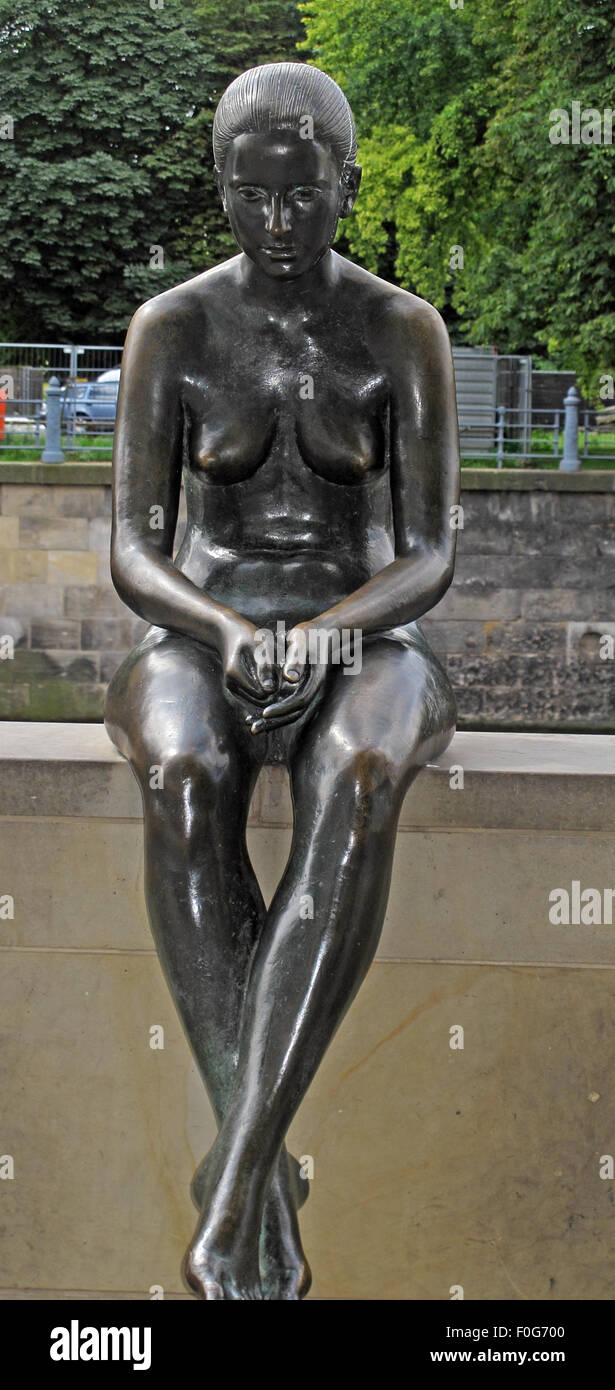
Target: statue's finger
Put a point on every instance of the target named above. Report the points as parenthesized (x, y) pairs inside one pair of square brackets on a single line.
[(298, 700), (260, 725), (267, 673)]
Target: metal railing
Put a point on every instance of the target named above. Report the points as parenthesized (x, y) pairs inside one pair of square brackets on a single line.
[(568, 437), (42, 385)]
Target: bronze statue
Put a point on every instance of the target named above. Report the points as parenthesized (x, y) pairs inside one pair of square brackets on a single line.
[(311, 407)]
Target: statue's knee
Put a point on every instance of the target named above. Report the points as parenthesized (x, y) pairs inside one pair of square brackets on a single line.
[(358, 784), (185, 789), (200, 774)]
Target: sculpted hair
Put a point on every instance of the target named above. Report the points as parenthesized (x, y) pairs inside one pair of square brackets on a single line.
[(275, 96)]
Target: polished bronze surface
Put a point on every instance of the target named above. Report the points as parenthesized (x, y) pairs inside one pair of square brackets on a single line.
[(311, 409)]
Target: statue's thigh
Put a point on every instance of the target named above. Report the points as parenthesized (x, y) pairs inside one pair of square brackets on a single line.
[(399, 707), (166, 702)]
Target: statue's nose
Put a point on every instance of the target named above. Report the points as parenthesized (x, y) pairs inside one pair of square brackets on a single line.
[(278, 220)]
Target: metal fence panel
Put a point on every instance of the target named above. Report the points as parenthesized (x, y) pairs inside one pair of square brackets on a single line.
[(25, 372), (476, 386)]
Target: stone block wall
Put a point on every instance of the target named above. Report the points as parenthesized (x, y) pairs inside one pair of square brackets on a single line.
[(523, 624), (521, 630), (70, 629)]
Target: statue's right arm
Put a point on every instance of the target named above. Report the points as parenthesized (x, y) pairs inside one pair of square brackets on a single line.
[(147, 470)]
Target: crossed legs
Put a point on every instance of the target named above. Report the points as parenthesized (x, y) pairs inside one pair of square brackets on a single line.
[(262, 994)]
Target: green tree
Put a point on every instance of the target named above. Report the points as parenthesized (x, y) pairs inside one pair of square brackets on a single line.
[(92, 91), (548, 278), (108, 195), (465, 199)]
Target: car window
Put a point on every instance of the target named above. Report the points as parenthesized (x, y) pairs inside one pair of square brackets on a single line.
[(103, 391)]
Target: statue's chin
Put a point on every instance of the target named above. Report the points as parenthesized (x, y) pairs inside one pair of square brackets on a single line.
[(279, 266)]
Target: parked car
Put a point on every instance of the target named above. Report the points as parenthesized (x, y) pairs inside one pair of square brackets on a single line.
[(113, 374), (91, 405)]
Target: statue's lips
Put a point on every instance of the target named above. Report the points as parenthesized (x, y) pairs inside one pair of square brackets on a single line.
[(280, 253)]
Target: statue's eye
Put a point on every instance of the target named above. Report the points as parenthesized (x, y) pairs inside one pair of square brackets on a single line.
[(305, 193), (250, 193)]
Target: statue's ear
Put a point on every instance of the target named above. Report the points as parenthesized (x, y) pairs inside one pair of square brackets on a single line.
[(220, 185), (351, 180)]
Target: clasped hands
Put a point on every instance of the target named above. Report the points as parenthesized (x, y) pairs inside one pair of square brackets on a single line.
[(272, 693)]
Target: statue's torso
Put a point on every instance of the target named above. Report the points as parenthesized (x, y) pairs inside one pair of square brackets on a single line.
[(286, 454)]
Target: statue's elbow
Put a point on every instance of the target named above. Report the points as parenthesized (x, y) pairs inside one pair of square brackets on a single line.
[(125, 569), (445, 576)]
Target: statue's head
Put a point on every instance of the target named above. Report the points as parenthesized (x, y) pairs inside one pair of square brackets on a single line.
[(284, 148)]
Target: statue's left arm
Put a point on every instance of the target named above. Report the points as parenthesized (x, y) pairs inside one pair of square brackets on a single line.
[(424, 453)]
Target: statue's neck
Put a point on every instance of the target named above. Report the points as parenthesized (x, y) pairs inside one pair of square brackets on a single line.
[(308, 290)]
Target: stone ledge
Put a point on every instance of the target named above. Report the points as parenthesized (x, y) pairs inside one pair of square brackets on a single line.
[(39, 474), (473, 868), (472, 479), (546, 782), (537, 480)]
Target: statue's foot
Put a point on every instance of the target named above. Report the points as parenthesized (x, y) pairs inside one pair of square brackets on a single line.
[(285, 1273), (216, 1276), (284, 1270)]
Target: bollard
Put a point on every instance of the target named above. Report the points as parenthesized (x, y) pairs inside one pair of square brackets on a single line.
[(52, 452), (570, 462), (501, 414)]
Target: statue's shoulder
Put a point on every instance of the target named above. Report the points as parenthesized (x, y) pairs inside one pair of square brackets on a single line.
[(176, 309), (398, 317)]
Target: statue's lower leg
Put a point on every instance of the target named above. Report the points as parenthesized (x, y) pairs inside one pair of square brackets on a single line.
[(206, 911), (304, 976)]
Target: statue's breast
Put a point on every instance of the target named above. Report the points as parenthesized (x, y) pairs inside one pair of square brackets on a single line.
[(341, 436), (330, 422), (231, 442)]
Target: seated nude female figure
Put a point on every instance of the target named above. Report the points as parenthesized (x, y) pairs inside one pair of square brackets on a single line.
[(311, 407)]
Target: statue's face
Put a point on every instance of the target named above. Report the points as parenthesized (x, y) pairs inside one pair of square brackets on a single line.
[(283, 198)]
